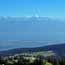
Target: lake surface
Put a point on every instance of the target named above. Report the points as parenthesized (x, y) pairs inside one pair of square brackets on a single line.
[(31, 33)]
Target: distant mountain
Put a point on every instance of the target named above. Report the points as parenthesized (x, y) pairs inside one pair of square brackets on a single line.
[(59, 49)]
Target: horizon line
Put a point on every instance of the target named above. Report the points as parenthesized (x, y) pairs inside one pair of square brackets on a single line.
[(51, 17)]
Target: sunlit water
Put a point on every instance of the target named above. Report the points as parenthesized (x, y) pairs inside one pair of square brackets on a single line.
[(14, 34)]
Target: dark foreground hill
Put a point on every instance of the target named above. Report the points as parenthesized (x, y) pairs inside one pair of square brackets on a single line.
[(59, 49)]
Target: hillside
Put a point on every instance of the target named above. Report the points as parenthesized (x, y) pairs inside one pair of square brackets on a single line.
[(59, 49)]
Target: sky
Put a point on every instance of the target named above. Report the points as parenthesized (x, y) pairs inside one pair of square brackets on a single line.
[(21, 8)]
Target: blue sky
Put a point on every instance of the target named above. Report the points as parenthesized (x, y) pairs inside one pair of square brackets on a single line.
[(49, 8)]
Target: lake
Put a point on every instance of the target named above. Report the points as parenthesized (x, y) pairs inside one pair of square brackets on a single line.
[(31, 32)]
